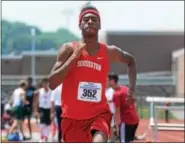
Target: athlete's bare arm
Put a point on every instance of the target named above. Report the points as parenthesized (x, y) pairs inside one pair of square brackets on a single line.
[(52, 110), (36, 101), (11, 99), (117, 54), (59, 69), (23, 97), (67, 55)]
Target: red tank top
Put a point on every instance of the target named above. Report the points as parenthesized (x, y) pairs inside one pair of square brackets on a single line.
[(83, 91)]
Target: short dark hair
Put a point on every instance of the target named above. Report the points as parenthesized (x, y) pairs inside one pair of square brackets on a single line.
[(29, 79), (86, 7), (113, 76)]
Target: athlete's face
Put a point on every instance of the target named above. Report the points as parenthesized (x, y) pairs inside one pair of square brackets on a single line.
[(90, 24), (29, 82), (45, 84), (111, 83)]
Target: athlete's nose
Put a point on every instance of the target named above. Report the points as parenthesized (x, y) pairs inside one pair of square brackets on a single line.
[(90, 22)]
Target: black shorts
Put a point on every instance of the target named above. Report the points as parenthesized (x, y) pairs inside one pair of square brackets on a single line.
[(127, 132), (45, 116), (27, 110)]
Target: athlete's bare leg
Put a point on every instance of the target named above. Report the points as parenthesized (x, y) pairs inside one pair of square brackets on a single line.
[(29, 126), (100, 136), (13, 127), (21, 123)]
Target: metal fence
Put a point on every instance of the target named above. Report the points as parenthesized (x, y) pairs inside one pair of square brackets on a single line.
[(141, 79), (9, 82)]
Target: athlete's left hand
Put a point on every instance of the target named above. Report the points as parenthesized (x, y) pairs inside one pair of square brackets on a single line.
[(26, 102)]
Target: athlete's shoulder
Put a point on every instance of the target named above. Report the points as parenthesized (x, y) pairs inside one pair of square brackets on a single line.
[(124, 88), (68, 47), (40, 90), (19, 90), (102, 44), (112, 48)]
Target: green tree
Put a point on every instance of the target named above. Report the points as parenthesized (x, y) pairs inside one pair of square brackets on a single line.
[(16, 37)]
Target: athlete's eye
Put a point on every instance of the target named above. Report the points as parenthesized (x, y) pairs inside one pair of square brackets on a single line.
[(94, 19), (85, 19)]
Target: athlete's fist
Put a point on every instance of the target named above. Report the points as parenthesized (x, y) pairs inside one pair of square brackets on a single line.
[(130, 99), (26, 102), (52, 116), (78, 50)]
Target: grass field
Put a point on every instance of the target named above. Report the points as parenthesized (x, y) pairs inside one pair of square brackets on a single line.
[(144, 113)]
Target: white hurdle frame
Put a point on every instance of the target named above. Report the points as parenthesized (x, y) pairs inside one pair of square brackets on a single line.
[(153, 120)]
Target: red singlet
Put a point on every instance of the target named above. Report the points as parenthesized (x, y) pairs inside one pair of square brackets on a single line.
[(128, 112), (83, 92)]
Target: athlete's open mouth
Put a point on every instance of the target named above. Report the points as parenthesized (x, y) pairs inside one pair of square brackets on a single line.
[(90, 29)]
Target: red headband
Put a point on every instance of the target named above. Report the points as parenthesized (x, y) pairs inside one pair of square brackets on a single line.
[(88, 11)]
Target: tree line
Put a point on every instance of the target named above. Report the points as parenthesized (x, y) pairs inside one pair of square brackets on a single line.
[(16, 38)]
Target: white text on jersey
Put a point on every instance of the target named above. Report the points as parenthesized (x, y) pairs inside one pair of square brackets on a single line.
[(89, 64)]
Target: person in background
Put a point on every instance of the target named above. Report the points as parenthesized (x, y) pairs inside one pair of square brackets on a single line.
[(29, 107), (109, 95), (42, 106), (166, 112), (56, 98), (7, 116), (126, 117), (17, 101), (36, 115)]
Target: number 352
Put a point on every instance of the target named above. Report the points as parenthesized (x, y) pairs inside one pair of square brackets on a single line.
[(89, 92)]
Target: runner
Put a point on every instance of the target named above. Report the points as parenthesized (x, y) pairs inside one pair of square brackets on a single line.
[(83, 67), (42, 107)]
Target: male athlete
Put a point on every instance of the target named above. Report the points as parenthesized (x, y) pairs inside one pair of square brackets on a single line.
[(126, 117), (28, 107), (43, 106), (56, 108), (83, 67), (109, 95), (17, 101)]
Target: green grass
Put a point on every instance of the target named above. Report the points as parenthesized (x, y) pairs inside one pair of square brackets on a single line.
[(144, 113)]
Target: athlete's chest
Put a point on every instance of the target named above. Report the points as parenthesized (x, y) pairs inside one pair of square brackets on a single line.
[(92, 63), (45, 94)]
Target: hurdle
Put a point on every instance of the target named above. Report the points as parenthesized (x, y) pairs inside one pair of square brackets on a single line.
[(153, 113)]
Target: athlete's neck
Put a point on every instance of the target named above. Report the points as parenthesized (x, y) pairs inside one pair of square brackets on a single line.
[(115, 87), (91, 43), (46, 89)]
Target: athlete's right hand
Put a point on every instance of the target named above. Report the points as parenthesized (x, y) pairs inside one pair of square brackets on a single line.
[(26, 102), (52, 116), (78, 50), (36, 114), (118, 130)]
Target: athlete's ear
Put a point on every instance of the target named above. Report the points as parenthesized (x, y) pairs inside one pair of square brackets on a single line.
[(80, 27)]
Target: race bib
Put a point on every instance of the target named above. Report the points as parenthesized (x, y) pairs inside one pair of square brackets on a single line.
[(89, 92)]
